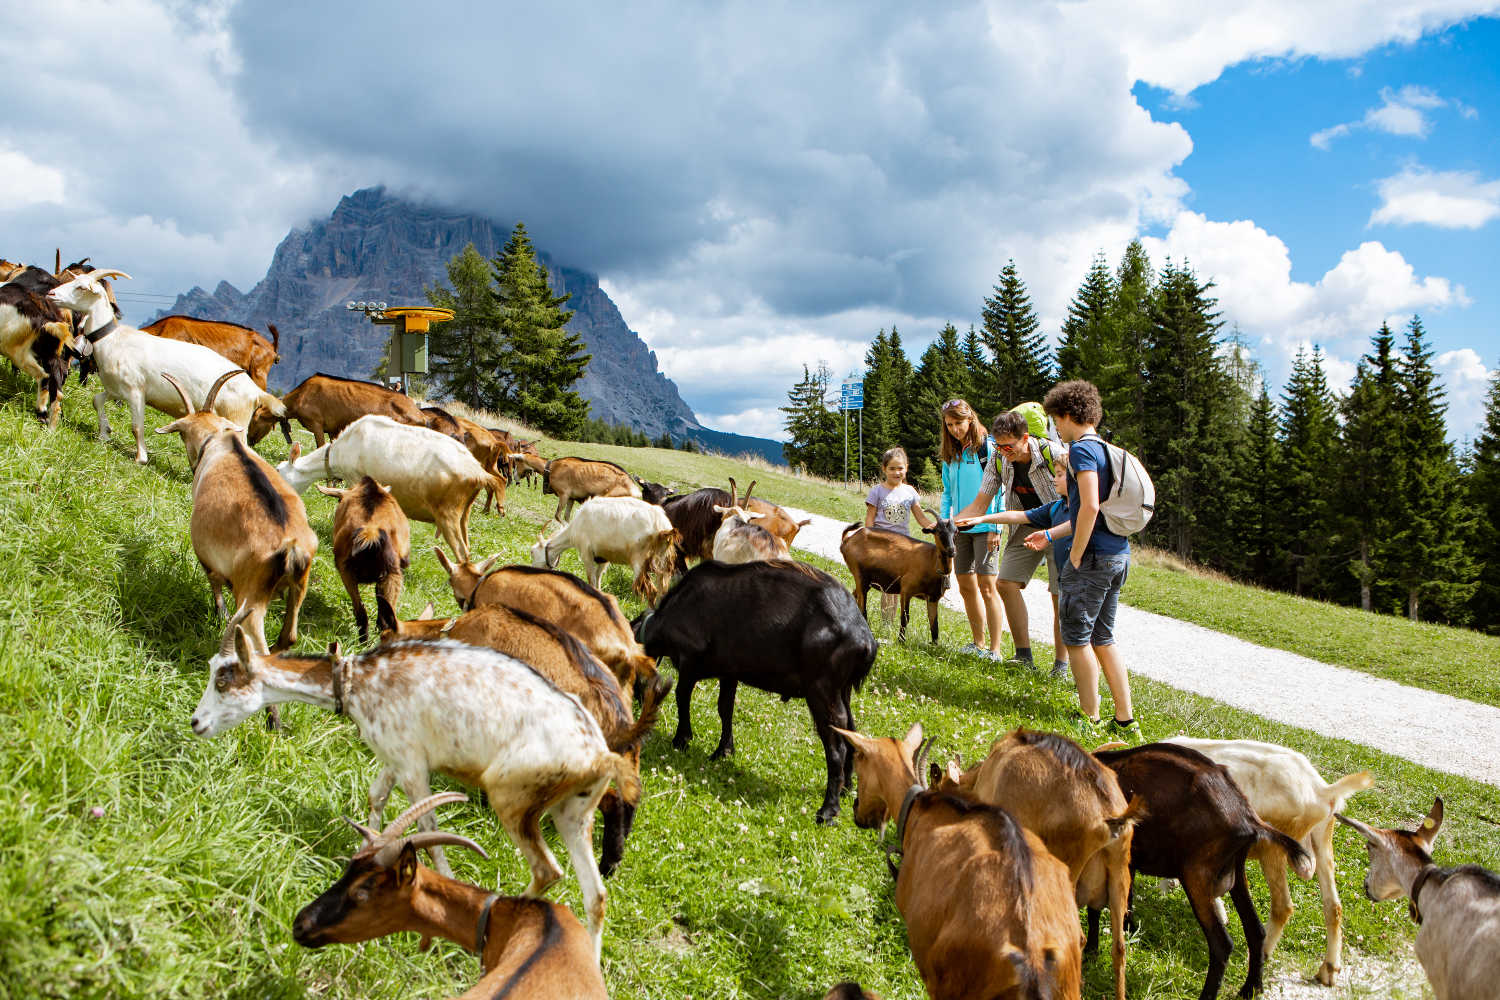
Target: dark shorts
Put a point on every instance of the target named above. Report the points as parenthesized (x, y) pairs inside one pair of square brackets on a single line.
[(971, 554), (1090, 596)]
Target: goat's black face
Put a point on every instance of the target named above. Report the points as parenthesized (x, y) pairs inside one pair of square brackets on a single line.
[(654, 492), (358, 906)]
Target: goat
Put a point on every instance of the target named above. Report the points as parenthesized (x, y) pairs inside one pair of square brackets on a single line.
[(489, 451), (740, 540), (989, 911), (440, 420), (589, 614), (131, 366), (1288, 793), (239, 344), (621, 530), (478, 716), (694, 517), (571, 667), (1198, 829), (1457, 910), (1059, 792), (891, 561), (523, 462), (653, 492), (34, 335), (778, 626), (326, 404), (576, 479), (528, 947), (432, 476), (371, 544)]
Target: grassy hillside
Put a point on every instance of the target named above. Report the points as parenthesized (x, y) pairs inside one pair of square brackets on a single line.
[(140, 861)]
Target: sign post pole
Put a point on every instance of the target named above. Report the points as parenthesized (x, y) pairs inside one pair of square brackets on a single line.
[(852, 397)]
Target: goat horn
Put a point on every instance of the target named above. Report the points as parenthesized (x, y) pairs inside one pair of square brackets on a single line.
[(107, 272), (746, 498), (733, 493), (439, 838), (417, 810), (213, 391), (370, 835), (919, 760), (186, 402)]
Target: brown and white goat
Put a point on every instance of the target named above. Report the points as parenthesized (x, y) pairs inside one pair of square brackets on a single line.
[(527, 947), (1059, 792), (1289, 794), (576, 479), (588, 613), (625, 531), (371, 544), (739, 538), (326, 404), (895, 563), (1457, 910), (34, 335), (239, 344), (476, 715), (571, 667), (989, 911), (1198, 829)]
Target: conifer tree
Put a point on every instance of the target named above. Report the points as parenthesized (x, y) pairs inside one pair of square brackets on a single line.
[(467, 351), (887, 384), (1020, 359), (1309, 429), (816, 439), (541, 360), (1089, 334), (1255, 522), (980, 392), (941, 375), (1370, 471), (1123, 380), (1435, 564), (1484, 493)]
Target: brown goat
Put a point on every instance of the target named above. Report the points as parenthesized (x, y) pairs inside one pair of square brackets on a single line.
[(371, 544), (1059, 792), (231, 341), (592, 616), (489, 451), (440, 420), (571, 668), (527, 947), (989, 911), (326, 404), (1198, 829), (897, 563), (576, 479)]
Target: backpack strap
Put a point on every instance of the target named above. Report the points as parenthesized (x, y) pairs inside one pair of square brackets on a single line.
[(1044, 445)]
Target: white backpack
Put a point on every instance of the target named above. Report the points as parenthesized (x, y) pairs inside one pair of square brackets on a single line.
[(1131, 503)]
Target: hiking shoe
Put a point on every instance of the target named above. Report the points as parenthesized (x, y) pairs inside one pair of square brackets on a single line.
[(1021, 661), (1131, 733), (1085, 730), (1059, 670), (973, 650)]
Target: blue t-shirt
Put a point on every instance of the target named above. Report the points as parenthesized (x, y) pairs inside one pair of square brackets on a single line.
[(1050, 515), (1084, 455)]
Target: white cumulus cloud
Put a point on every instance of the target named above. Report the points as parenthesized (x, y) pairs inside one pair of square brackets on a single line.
[(1401, 112), (1468, 383), (1454, 199)]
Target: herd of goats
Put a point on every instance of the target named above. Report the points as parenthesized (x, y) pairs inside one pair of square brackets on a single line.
[(530, 692)]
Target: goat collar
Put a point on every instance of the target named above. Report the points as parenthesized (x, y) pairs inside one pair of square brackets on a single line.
[(1427, 872), (482, 932), (911, 796), (469, 605), (338, 686), (94, 336)]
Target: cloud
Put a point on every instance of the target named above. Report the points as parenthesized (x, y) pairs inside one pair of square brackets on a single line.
[(1401, 112), (27, 182), (1455, 199), (1467, 381)]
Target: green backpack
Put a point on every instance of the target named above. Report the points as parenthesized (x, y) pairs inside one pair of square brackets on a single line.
[(1036, 426)]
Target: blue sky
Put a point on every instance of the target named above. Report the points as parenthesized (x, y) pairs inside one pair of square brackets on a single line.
[(762, 184)]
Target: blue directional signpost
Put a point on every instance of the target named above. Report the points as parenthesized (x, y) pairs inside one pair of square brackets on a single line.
[(852, 397)]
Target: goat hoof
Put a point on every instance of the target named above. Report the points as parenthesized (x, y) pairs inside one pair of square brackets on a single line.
[(1325, 975), (827, 815), (721, 753), (679, 743)]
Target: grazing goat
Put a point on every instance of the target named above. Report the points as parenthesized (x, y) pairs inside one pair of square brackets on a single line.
[(989, 911), (522, 461), (36, 335), (443, 422), (1457, 910), (240, 344), (589, 614), (1288, 793), (489, 451), (696, 520), (476, 715), (895, 563), (778, 626), (571, 667), (1059, 792), (131, 366), (740, 540), (326, 404), (432, 476), (576, 479), (653, 492), (527, 947), (1198, 829), (371, 544), (620, 530)]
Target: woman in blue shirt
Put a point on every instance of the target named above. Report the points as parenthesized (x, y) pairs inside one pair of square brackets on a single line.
[(965, 448)]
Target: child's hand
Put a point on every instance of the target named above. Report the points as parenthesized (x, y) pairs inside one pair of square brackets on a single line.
[(1036, 541), (965, 522)]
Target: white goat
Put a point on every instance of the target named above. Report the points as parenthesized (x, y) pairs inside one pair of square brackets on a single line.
[(1457, 909), (432, 476), (474, 714), (131, 365), (620, 530), (1289, 794), (739, 540)]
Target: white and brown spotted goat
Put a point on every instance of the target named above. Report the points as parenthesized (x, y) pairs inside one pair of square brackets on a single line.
[(474, 714)]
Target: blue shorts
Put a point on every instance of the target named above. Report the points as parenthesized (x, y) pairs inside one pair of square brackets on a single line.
[(1090, 595)]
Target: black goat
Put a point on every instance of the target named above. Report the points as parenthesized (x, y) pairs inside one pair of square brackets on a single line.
[(782, 627), (1198, 828)]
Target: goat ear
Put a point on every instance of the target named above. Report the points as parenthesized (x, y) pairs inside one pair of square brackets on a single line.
[(174, 427), (862, 744), (483, 567), (329, 491), (1368, 833), (295, 453), (913, 738), (1427, 833), (406, 865), (428, 611), (955, 772), (443, 558), (243, 651), (334, 649)]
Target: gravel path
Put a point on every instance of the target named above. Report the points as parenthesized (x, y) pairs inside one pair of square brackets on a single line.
[(1435, 730)]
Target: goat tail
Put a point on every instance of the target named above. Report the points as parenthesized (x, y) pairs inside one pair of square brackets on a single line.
[(1346, 786), (661, 560), (374, 555), (288, 563), (627, 777), (1133, 814), (656, 693), (853, 526), (275, 339), (1296, 854)]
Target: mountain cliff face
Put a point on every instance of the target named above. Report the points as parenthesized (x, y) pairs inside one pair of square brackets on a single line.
[(381, 248)]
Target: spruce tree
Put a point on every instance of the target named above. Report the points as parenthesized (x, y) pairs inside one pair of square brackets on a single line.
[(980, 392), (815, 433), (1088, 335), (1256, 524), (1309, 429), (887, 385), (1020, 359), (941, 375), (1370, 472), (542, 361), (1435, 564), (467, 351), (1122, 383), (1483, 489)]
